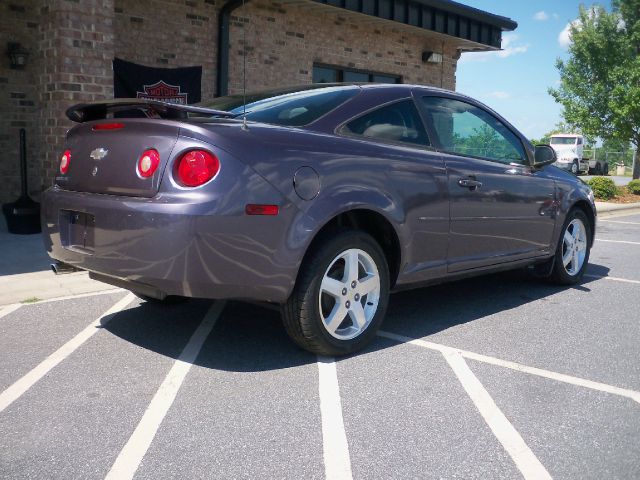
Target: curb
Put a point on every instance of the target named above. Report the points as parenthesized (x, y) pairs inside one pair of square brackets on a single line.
[(611, 208)]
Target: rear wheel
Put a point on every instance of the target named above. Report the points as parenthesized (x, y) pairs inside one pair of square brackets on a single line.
[(598, 169), (572, 252), (605, 170), (341, 295), (575, 168)]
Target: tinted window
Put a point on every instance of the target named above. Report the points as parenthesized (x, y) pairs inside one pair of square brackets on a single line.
[(468, 130), (292, 107), (563, 141), (349, 76), (398, 122), (324, 75)]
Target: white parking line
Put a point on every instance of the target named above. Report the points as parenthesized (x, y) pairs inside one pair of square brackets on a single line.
[(25, 383), (560, 377), (136, 447), (615, 279), (616, 241), (505, 432), (6, 310), (337, 464)]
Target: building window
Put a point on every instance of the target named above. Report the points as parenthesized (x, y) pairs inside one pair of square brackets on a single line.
[(329, 74)]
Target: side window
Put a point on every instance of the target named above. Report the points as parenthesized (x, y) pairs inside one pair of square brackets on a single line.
[(579, 141), (398, 122), (468, 130)]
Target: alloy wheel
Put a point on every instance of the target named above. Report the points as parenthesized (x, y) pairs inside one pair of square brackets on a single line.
[(349, 294), (574, 246)]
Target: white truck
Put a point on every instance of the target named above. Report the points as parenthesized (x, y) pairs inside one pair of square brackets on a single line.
[(569, 149)]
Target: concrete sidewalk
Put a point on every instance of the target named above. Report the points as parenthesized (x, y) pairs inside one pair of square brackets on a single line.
[(25, 273)]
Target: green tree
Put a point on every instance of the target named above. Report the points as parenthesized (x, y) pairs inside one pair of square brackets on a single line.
[(600, 82)]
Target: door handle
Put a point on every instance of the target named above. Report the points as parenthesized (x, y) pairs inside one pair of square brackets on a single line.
[(469, 183)]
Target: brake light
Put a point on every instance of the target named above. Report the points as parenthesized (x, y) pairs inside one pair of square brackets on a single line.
[(107, 126), (197, 167), (148, 162), (64, 162)]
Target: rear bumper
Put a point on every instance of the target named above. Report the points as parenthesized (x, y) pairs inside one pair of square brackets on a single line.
[(175, 245)]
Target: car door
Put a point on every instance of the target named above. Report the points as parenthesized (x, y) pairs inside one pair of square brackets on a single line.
[(414, 174), (501, 209)]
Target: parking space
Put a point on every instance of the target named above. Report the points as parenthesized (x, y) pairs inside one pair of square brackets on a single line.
[(495, 377)]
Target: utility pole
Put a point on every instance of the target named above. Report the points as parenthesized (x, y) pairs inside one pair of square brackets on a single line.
[(636, 165)]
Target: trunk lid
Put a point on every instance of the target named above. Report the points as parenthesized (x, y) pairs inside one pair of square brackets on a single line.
[(105, 161)]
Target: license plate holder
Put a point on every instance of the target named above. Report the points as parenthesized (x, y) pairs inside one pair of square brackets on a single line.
[(78, 235)]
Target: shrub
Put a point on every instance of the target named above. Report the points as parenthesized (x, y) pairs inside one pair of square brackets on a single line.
[(634, 187), (603, 188)]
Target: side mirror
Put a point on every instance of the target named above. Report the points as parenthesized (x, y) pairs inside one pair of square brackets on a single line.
[(544, 155)]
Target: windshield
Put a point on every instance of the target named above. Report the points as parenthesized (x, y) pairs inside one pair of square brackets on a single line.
[(563, 140), (294, 106)]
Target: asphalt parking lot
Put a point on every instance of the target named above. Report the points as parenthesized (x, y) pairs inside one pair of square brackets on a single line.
[(495, 377)]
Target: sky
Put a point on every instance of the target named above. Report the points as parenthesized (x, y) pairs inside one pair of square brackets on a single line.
[(514, 81)]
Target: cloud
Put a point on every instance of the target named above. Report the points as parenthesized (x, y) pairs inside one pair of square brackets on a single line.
[(564, 39), (510, 47), (499, 95), (541, 16)]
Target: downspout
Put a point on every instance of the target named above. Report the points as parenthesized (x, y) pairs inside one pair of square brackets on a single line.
[(222, 87)]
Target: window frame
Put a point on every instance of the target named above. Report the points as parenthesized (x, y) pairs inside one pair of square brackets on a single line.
[(341, 131), (340, 70), (527, 161)]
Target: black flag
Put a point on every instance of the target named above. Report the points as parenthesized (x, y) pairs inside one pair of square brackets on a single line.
[(175, 85)]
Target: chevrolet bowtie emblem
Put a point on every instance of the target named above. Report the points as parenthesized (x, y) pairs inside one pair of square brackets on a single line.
[(99, 153)]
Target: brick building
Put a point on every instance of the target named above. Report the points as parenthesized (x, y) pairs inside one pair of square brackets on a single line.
[(71, 44)]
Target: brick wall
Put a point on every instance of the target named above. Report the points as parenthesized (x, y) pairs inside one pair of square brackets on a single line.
[(170, 33), (283, 42), (19, 97), (76, 45)]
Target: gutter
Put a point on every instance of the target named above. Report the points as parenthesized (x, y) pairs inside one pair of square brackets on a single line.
[(222, 84)]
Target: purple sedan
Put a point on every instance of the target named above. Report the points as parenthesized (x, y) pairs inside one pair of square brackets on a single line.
[(322, 199)]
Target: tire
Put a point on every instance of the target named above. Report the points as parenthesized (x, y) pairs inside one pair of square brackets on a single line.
[(598, 169), (605, 171), (568, 269), (575, 168), (327, 290)]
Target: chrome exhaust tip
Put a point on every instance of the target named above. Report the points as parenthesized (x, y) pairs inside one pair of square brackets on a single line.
[(60, 268)]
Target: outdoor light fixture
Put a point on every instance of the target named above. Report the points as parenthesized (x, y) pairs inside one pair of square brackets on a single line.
[(431, 57), (18, 55)]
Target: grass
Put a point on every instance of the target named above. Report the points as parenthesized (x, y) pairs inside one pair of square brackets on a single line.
[(31, 300)]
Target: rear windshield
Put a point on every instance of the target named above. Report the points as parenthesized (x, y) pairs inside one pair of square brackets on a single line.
[(563, 140), (286, 107)]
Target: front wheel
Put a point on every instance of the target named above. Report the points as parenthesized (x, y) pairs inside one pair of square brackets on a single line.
[(575, 168), (340, 297), (572, 252)]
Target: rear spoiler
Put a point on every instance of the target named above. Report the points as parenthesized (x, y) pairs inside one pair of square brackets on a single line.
[(85, 112)]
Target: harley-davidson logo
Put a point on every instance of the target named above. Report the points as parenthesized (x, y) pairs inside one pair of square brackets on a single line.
[(99, 153), (164, 92)]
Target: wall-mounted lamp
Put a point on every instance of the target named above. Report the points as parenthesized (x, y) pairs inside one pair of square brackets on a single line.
[(18, 55), (431, 57)]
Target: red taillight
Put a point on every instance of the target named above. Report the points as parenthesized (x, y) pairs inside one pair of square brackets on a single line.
[(259, 209), (65, 160), (108, 126), (197, 167), (148, 162)]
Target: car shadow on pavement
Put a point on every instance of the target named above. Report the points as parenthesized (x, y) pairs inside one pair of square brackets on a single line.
[(245, 338), (249, 338)]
